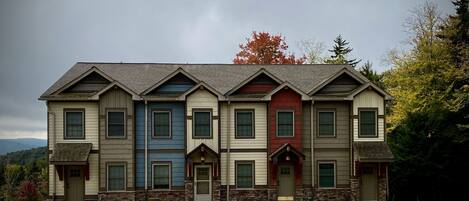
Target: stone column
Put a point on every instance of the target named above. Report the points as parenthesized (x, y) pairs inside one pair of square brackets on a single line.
[(216, 185), (355, 189), (189, 190), (382, 189)]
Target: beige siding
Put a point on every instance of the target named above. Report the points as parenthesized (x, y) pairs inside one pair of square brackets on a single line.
[(260, 126), (202, 99), (117, 150), (260, 166), (91, 185), (342, 160), (57, 126), (369, 99), (342, 116)]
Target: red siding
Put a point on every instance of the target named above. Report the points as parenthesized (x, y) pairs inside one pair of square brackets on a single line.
[(256, 89)]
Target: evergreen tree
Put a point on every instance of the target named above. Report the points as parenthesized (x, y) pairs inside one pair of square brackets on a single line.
[(375, 77), (340, 52)]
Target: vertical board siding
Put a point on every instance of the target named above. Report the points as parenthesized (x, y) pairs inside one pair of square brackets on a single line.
[(342, 159), (260, 126), (91, 123), (202, 99), (177, 168), (117, 150), (285, 99), (342, 125), (369, 99), (260, 166), (306, 143)]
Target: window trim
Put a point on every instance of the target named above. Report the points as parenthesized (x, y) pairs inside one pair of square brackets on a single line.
[(107, 175), (253, 126), (124, 110), (170, 177), (65, 111), (210, 111), (319, 175), (324, 110), (293, 124), (253, 172), (373, 109), (170, 112)]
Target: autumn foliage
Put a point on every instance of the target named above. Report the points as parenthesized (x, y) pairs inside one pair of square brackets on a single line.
[(27, 191), (263, 48)]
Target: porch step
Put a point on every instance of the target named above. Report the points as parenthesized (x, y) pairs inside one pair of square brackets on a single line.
[(285, 198)]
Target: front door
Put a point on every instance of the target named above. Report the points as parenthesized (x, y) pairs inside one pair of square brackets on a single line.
[(202, 183), (369, 183), (74, 183), (286, 182)]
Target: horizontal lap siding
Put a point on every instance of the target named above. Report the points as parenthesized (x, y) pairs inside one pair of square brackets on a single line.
[(342, 115), (177, 164), (117, 150), (369, 99), (260, 126), (91, 122), (260, 168), (342, 159), (202, 99), (306, 143)]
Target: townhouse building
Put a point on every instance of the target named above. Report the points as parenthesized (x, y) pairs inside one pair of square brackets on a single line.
[(149, 131)]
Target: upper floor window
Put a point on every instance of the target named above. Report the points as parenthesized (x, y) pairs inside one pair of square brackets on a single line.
[(368, 122), (162, 124), (326, 123), (244, 123), (116, 177), (115, 123), (244, 174), (161, 176), (326, 174), (202, 121), (74, 124), (285, 127)]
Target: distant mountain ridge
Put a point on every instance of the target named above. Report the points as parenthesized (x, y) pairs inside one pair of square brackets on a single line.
[(12, 145)]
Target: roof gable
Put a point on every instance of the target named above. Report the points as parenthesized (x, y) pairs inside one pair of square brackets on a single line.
[(286, 85), (174, 84), (90, 83), (343, 81)]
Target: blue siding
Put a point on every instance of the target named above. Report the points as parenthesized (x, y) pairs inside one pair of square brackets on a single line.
[(173, 88), (176, 142), (177, 164)]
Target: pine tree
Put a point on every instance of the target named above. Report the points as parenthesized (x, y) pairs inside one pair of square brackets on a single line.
[(375, 77), (340, 52)]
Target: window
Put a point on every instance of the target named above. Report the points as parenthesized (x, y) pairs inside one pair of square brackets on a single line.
[(161, 176), (326, 124), (162, 124), (115, 124), (327, 175), (202, 124), (368, 123), (74, 124), (244, 123), (285, 124), (245, 174), (116, 177)]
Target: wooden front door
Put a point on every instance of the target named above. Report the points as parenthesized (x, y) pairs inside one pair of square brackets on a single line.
[(369, 183), (202, 183), (74, 183), (286, 181)]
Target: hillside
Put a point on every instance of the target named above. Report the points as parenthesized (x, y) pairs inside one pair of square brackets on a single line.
[(12, 145)]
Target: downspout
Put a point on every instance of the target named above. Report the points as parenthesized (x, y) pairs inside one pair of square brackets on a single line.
[(146, 146), (228, 139)]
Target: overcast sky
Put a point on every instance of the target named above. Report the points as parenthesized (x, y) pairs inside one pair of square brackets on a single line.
[(40, 40)]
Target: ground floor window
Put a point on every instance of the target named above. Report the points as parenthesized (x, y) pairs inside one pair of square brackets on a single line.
[(161, 175), (116, 177), (326, 174), (244, 174)]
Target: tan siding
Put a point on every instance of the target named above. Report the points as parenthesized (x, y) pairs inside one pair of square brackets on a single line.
[(91, 122), (306, 144), (202, 99), (342, 139), (341, 157), (260, 168), (260, 126), (369, 99), (117, 150)]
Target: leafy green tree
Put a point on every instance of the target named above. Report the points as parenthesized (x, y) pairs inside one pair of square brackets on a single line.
[(341, 51), (13, 174)]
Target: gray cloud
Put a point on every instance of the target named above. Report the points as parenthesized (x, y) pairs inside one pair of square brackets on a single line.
[(40, 40)]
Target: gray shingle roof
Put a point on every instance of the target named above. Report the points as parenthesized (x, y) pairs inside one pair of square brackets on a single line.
[(70, 153), (373, 151), (222, 77)]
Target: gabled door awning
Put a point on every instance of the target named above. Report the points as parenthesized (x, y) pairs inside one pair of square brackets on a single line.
[(286, 148), (71, 154), (373, 152)]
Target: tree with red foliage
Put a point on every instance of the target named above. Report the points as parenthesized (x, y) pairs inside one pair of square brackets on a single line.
[(263, 48), (27, 191)]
